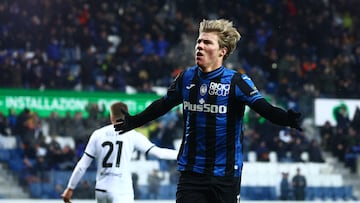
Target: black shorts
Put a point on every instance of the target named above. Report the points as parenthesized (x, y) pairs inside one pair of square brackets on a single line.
[(199, 188)]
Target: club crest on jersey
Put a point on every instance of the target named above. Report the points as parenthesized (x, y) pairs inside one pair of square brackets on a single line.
[(203, 89), (219, 89)]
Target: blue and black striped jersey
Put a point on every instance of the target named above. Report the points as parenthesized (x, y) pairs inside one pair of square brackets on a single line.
[(213, 109)]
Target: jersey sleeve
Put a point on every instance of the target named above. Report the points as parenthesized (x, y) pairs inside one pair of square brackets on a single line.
[(85, 161), (144, 145), (163, 153), (245, 89), (141, 143), (173, 94), (79, 171), (91, 149)]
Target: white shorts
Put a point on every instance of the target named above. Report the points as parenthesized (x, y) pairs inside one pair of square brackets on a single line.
[(108, 197)]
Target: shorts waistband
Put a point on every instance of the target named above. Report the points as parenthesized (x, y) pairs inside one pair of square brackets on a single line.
[(100, 190)]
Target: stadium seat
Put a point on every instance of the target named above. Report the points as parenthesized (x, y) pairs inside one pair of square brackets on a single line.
[(41, 190), (328, 193), (7, 142), (348, 193), (314, 193), (4, 155), (339, 193), (262, 193), (59, 177), (16, 165), (252, 156), (273, 157), (245, 193)]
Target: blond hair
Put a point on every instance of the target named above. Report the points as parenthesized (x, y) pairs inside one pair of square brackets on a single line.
[(228, 35)]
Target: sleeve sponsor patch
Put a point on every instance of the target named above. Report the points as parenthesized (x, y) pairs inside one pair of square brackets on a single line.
[(245, 84)]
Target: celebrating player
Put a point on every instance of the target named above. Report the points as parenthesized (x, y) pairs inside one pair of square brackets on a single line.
[(214, 98)]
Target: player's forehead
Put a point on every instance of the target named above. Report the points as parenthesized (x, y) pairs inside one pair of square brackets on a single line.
[(209, 36)]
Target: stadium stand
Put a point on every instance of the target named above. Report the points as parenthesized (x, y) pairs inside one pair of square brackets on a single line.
[(296, 51)]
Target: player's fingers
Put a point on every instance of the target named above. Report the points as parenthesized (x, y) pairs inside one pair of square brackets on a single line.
[(66, 200), (120, 120)]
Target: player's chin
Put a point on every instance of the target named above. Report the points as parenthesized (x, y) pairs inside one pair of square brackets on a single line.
[(199, 62)]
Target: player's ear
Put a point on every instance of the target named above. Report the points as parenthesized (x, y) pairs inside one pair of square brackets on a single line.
[(223, 51)]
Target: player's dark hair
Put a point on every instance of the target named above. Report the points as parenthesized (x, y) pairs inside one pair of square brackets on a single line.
[(117, 110)]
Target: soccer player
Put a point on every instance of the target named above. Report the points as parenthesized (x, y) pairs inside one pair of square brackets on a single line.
[(210, 159), (113, 154)]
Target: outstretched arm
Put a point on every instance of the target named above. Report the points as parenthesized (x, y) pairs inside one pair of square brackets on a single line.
[(162, 153), (154, 110), (277, 115)]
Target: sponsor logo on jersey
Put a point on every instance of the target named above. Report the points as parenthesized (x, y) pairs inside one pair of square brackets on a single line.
[(110, 174), (219, 89), (204, 107), (190, 86), (255, 90)]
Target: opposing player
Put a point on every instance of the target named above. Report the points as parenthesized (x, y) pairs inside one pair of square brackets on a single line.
[(113, 154)]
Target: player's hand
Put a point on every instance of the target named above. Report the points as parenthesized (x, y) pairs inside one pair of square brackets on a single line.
[(294, 119), (66, 195), (123, 125)]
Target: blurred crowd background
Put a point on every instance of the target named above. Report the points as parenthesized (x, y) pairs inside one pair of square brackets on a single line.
[(294, 51)]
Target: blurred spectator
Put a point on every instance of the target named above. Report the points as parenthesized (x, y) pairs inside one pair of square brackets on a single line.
[(342, 117), (355, 123), (135, 180), (340, 144), (327, 134), (299, 186), (167, 137), (285, 187), (31, 129), (88, 64), (95, 116), (154, 181), (66, 159), (21, 121), (53, 49), (262, 152), (162, 46), (3, 124), (54, 124), (78, 129), (12, 121), (54, 153), (315, 152), (282, 150), (297, 149), (352, 149), (148, 44), (66, 124)]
